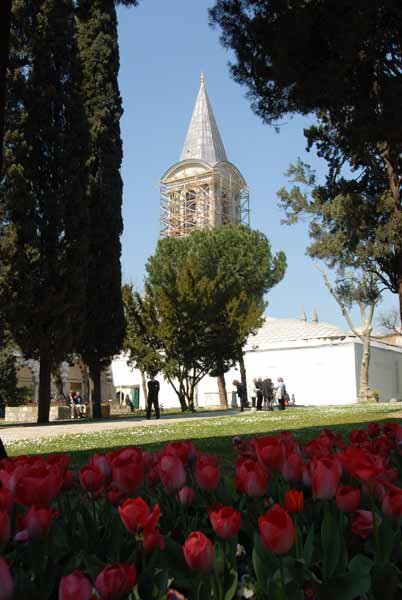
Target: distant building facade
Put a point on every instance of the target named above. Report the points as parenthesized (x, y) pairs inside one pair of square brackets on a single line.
[(319, 362)]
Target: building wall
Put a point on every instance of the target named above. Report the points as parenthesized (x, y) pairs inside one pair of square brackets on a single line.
[(317, 375), (385, 371)]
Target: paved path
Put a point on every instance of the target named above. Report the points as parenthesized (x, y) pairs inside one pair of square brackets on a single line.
[(14, 433)]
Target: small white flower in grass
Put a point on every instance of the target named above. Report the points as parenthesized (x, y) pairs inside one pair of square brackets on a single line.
[(246, 587)]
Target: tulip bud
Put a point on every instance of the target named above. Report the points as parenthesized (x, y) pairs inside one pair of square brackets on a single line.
[(75, 586), (198, 552), (5, 528), (277, 530), (116, 581), (6, 581)]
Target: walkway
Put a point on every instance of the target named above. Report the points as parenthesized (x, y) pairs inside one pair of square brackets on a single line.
[(15, 433)]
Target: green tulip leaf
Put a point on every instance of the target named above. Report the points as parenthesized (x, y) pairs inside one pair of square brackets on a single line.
[(231, 590)]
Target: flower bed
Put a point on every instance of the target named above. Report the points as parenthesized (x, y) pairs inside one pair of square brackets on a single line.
[(290, 522)]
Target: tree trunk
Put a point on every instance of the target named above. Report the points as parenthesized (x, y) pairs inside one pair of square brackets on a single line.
[(58, 381), (243, 375), (182, 397), (95, 375), (5, 24), (191, 398), (364, 368), (400, 301), (3, 453), (45, 371), (144, 388), (223, 397)]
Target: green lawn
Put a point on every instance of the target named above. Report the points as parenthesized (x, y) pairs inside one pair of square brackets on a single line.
[(212, 434)]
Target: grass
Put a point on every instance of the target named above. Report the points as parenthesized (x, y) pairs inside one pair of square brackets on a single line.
[(212, 434)]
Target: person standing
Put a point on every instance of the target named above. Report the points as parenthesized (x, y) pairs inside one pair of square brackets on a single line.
[(280, 393), (268, 393), (153, 397), (259, 392), (241, 392)]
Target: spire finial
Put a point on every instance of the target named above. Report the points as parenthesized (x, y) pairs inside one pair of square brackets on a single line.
[(202, 78)]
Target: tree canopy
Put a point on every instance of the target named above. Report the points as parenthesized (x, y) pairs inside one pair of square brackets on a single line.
[(206, 292), (103, 331), (342, 62), (44, 230)]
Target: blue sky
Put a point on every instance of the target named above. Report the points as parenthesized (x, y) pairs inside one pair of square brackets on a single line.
[(164, 45)]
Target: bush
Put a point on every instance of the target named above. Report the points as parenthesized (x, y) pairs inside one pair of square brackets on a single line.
[(319, 521)]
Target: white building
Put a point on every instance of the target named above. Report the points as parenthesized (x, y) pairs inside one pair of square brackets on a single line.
[(319, 362)]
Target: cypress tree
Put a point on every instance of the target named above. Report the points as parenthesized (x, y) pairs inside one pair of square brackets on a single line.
[(43, 246), (99, 53)]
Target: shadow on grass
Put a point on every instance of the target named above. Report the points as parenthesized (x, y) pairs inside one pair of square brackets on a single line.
[(222, 445)]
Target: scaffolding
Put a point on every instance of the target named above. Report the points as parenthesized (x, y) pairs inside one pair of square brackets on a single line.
[(202, 201)]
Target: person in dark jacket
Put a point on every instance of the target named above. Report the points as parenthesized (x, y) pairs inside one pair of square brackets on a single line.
[(153, 397), (241, 392), (259, 392), (268, 393)]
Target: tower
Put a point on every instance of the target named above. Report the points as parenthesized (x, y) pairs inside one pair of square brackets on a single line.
[(203, 190)]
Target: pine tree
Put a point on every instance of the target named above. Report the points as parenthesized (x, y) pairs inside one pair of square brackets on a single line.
[(43, 248), (99, 53)]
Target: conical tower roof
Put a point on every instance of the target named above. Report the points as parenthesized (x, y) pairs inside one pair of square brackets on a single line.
[(203, 140)]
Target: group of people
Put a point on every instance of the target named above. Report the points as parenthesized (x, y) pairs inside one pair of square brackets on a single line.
[(264, 391), (77, 404)]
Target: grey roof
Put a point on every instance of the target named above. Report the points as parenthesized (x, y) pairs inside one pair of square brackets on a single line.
[(278, 331), (203, 140)]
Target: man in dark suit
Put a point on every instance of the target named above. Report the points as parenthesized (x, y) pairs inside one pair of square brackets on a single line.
[(153, 393)]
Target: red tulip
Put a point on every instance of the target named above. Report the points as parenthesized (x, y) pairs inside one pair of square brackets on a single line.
[(68, 480), (186, 496), (128, 473), (91, 480), (198, 552), (362, 523), (6, 499), (325, 476), (270, 453), (38, 521), (183, 450), (373, 429), (137, 516), (277, 530), (102, 462), (75, 586), (225, 521), (392, 503), (152, 539), (362, 464), (171, 473), (38, 485), (115, 495), (174, 595), (36, 524), (292, 469), (207, 472), (116, 581), (293, 501), (347, 498), (358, 436), (251, 478), (60, 461), (5, 528), (6, 581), (306, 475)]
